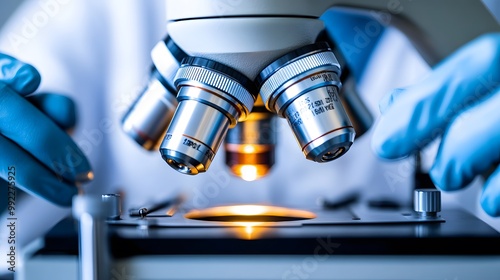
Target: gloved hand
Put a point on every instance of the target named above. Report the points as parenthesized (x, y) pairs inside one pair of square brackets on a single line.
[(46, 161), (460, 102)]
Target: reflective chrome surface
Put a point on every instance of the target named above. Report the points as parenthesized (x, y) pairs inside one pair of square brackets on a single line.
[(149, 116), (211, 100), (193, 137), (427, 202), (320, 124), (94, 257), (114, 200), (304, 90), (148, 119)]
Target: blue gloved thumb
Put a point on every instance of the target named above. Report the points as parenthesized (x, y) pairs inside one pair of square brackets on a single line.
[(20, 77), (490, 199)]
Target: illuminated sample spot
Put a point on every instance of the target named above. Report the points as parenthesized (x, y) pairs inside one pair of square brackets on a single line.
[(249, 221), (249, 213), (248, 210), (248, 172), (249, 149)]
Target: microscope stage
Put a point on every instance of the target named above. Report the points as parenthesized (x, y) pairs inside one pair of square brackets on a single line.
[(357, 230)]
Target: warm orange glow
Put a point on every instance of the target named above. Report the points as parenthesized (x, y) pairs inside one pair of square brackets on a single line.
[(249, 230), (246, 160), (249, 221)]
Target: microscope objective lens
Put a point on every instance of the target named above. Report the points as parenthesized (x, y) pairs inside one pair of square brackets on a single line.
[(214, 98), (303, 87)]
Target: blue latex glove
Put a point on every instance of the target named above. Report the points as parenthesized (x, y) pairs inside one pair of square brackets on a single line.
[(355, 34), (459, 101), (47, 162)]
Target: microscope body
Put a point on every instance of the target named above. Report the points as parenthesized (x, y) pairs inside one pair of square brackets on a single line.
[(266, 53), (248, 35)]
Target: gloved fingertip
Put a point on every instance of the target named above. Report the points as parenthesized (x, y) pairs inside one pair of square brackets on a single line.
[(387, 151), (389, 99), (377, 146), (382, 144), (490, 198), (80, 173), (490, 205), (72, 165), (84, 177), (26, 80), (439, 179), (19, 76)]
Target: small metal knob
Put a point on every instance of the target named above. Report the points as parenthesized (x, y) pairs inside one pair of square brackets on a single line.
[(114, 205), (427, 202)]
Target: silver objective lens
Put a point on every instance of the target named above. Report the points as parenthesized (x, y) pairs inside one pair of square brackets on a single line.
[(212, 98), (149, 116), (302, 86)]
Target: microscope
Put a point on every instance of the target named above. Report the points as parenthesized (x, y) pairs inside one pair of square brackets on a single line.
[(227, 69), (232, 86), (221, 77)]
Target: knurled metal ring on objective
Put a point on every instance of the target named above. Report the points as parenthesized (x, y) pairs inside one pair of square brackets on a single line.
[(231, 84), (281, 72)]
